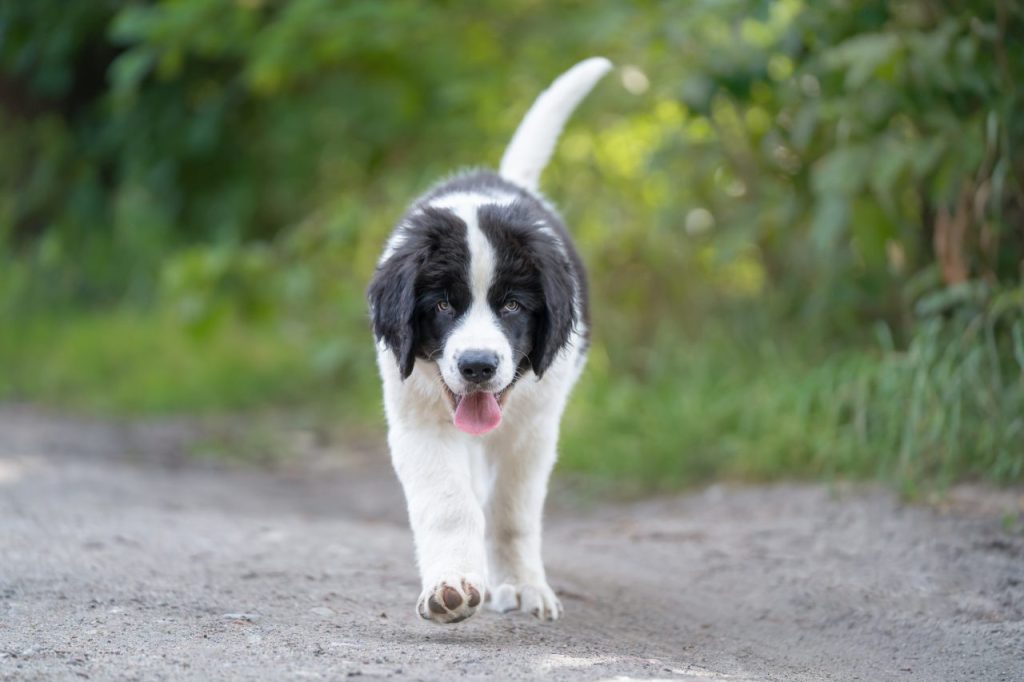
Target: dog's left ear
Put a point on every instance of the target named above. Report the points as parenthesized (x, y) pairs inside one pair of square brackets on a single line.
[(556, 321), (392, 297)]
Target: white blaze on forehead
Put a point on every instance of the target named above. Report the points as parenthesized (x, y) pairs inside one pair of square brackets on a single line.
[(479, 328), (466, 206)]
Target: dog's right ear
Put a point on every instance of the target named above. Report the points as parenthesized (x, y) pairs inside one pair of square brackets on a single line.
[(392, 297)]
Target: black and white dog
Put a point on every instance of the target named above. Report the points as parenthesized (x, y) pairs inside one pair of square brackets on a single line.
[(479, 307)]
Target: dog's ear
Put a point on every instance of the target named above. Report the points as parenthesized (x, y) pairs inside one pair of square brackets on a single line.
[(392, 297), (558, 317)]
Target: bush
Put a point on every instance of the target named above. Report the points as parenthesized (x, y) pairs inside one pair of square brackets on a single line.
[(824, 169)]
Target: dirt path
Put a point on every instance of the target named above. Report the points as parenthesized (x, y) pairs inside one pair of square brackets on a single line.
[(120, 559)]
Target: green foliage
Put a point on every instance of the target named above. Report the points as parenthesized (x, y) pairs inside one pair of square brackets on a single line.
[(764, 185), (949, 406), (133, 363)]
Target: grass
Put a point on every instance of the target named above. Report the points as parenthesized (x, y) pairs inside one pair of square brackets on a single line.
[(136, 363), (706, 411), (950, 407), (645, 419)]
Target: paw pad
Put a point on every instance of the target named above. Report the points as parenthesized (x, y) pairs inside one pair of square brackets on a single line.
[(450, 601)]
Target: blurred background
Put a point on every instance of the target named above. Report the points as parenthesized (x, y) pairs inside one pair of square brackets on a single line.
[(804, 221)]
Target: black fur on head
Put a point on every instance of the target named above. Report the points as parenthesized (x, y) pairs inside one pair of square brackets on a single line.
[(533, 268), (430, 262)]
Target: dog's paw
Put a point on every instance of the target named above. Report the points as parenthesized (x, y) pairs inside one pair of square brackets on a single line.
[(451, 600), (534, 598)]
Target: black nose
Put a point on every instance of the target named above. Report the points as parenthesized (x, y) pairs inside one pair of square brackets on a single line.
[(478, 365)]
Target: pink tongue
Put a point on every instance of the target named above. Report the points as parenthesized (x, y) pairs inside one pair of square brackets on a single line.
[(477, 413)]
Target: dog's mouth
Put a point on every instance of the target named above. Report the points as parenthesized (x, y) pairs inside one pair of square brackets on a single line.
[(479, 412)]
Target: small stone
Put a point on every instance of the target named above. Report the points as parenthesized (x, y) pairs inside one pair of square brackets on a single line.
[(322, 611), (247, 617)]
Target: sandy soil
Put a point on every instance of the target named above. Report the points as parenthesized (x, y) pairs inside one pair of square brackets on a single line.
[(122, 558)]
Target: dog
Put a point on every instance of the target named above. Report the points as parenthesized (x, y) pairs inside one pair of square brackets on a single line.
[(479, 309)]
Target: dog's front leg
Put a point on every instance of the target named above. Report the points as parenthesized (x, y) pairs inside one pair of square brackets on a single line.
[(522, 466), (447, 521)]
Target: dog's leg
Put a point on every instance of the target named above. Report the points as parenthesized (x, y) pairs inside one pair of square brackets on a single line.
[(447, 521), (522, 466)]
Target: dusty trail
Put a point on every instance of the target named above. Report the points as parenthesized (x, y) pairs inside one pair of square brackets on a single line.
[(122, 559)]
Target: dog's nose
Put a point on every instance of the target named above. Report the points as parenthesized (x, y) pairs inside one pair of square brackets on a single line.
[(478, 366)]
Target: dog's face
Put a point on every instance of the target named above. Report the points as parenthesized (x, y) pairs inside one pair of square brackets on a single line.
[(482, 290)]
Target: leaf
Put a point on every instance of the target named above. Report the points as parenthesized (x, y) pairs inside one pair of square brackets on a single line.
[(129, 69), (1007, 301), (893, 160), (830, 220), (971, 292), (861, 56)]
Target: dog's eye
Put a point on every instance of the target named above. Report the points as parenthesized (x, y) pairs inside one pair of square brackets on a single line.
[(511, 305), (443, 306)]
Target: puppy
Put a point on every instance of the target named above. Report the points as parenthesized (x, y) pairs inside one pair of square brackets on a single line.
[(479, 309)]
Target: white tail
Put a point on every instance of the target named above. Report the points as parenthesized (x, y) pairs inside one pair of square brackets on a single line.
[(534, 142)]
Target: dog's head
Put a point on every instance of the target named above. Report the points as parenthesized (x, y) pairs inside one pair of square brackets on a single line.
[(485, 291)]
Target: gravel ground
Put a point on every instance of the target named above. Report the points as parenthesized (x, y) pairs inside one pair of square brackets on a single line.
[(122, 558)]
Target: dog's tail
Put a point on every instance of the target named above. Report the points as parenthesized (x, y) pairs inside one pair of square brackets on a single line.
[(532, 145)]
